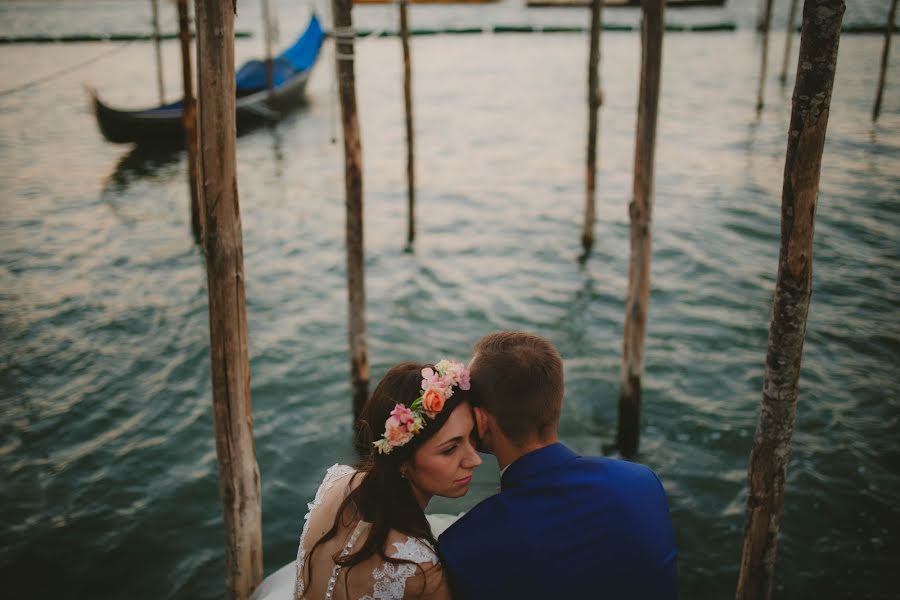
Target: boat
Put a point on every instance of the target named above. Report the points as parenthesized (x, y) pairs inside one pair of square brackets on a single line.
[(255, 102)]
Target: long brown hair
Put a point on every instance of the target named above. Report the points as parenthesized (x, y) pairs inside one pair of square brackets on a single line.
[(384, 497)]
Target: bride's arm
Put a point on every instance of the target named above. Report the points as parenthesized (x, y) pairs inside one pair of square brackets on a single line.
[(437, 583)]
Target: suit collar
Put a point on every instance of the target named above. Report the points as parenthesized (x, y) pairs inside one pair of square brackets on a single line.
[(536, 462)]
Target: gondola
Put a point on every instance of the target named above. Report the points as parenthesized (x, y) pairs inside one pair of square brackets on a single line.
[(254, 103)]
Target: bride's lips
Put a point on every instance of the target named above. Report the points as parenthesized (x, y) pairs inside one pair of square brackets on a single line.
[(464, 480)]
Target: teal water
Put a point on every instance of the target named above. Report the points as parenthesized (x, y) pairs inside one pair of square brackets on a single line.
[(106, 445)]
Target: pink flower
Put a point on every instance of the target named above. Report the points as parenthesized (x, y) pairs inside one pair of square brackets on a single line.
[(396, 433), (454, 373), (430, 379), (464, 379), (403, 414)]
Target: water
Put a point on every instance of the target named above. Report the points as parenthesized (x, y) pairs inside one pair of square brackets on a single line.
[(106, 445)]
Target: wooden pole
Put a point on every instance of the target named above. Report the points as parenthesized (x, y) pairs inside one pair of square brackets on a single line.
[(789, 37), (267, 32), (803, 161), (158, 46), (238, 470), (884, 59), (353, 186), (410, 149), (594, 99), (189, 118), (766, 25), (640, 210)]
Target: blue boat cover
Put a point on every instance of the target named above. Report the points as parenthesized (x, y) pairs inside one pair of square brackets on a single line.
[(251, 77)]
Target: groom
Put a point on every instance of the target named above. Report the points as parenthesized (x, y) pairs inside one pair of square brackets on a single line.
[(562, 525)]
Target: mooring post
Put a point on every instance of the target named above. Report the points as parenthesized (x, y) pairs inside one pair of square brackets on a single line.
[(595, 97), (767, 469), (640, 211), (410, 147), (157, 38), (788, 38), (353, 188), (233, 423), (267, 35), (189, 116), (766, 25), (876, 110)]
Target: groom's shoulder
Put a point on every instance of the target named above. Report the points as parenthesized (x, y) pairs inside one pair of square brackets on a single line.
[(614, 471), (492, 512)]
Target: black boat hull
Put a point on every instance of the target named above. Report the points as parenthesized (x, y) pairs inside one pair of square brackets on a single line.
[(163, 126)]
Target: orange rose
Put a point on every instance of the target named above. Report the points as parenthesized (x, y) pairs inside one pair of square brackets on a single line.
[(433, 401)]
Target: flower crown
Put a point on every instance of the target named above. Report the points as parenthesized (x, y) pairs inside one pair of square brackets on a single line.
[(437, 387)]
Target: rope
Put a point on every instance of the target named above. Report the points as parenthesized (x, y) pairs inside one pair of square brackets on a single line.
[(70, 68)]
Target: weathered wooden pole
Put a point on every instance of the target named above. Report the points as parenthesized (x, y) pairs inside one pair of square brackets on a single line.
[(595, 96), (640, 211), (158, 46), (267, 33), (803, 161), (884, 59), (789, 37), (189, 116), (766, 25), (353, 187), (410, 146), (233, 424)]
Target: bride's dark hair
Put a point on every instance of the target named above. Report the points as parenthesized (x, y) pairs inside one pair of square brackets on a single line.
[(384, 497)]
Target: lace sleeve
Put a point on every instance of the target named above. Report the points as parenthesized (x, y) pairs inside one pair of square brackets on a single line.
[(390, 579), (334, 474)]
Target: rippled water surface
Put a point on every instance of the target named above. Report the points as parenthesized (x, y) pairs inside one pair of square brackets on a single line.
[(106, 447)]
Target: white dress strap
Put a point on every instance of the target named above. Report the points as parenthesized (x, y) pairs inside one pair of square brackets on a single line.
[(360, 527)]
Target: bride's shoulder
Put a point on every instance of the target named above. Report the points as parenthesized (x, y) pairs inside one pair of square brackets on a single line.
[(424, 578), (418, 550), (337, 477), (336, 472)]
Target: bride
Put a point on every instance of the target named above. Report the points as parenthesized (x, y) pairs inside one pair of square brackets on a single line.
[(366, 535)]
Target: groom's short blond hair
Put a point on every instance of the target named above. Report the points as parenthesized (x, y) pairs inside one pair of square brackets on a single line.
[(518, 378)]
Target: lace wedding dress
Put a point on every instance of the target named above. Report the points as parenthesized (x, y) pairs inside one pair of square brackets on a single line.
[(372, 579)]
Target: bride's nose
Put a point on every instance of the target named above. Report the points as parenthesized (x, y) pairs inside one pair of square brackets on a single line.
[(472, 459)]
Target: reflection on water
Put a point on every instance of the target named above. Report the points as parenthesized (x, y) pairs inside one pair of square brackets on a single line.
[(137, 163)]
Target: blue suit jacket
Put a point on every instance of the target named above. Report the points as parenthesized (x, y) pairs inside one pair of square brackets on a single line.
[(566, 526)]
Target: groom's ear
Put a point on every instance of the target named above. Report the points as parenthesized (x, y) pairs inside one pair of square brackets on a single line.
[(481, 421)]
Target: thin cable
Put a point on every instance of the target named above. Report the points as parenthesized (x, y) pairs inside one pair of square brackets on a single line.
[(40, 80)]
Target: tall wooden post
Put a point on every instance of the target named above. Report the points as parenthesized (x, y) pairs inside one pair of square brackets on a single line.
[(766, 25), (410, 153), (238, 471), (640, 210), (158, 46), (803, 161), (594, 99), (789, 37), (884, 59), (353, 186), (189, 117), (267, 34)]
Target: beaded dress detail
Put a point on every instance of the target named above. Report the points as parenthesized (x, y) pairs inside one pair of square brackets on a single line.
[(388, 580)]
